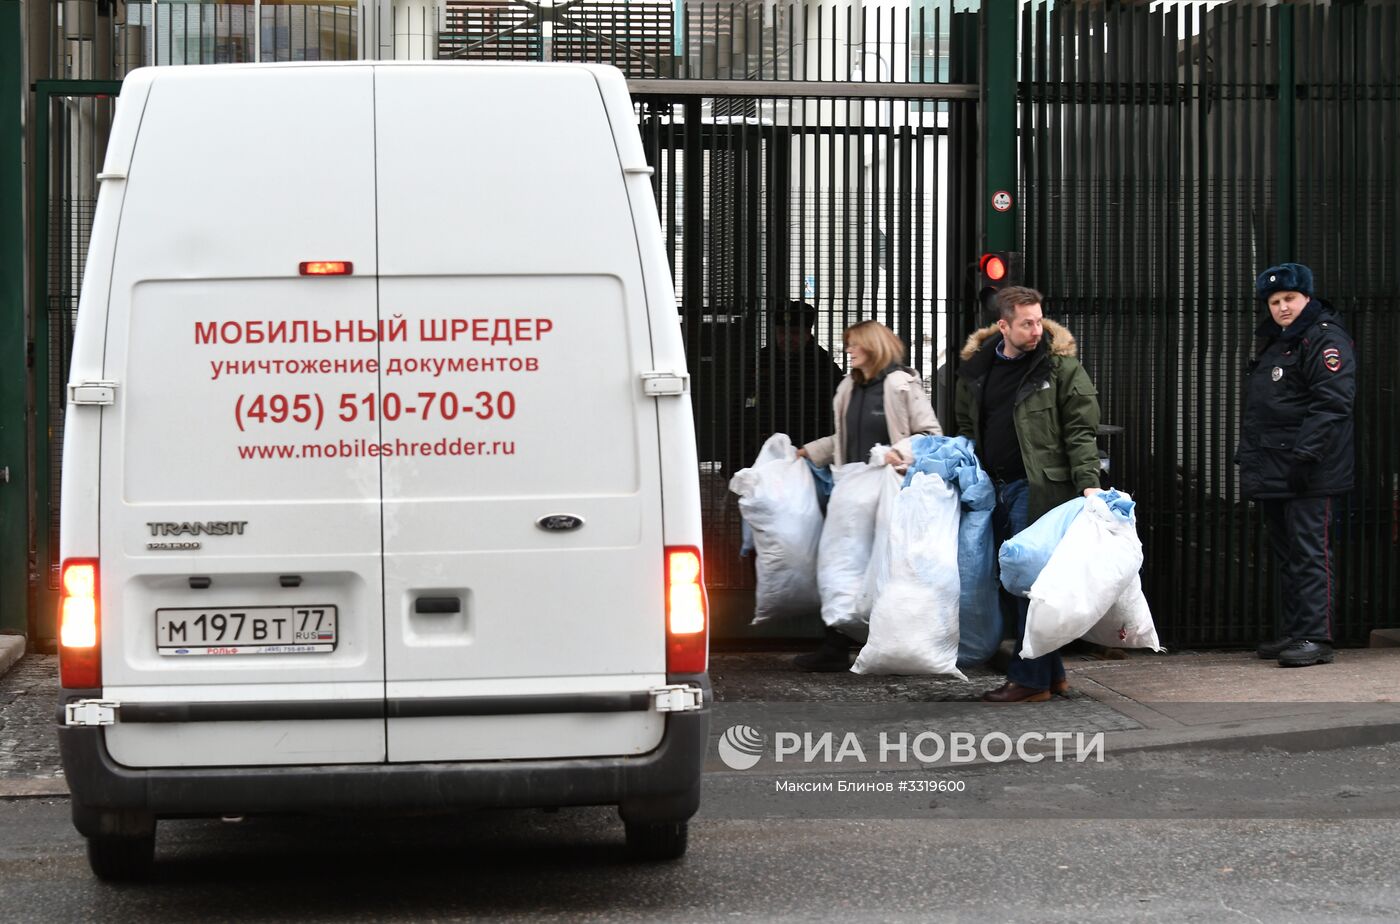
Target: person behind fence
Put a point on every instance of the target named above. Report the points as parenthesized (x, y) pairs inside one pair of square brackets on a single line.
[(1033, 414), (796, 378), (1296, 453), (882, 401)]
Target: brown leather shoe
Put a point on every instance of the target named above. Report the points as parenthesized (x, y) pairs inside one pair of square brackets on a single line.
[(1060, 687), (1015, 693)]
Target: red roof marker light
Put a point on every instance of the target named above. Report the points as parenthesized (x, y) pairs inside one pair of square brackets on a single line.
[(327, 268)]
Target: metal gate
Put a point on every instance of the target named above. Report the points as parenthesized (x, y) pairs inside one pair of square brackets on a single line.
[(812, 156), (840, 204), (828, 160), (1168, 154)]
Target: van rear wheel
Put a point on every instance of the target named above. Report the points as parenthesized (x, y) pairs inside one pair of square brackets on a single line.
[(120, 858), (658, 840)]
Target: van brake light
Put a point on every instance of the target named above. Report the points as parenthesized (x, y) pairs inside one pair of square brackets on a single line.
[(327, 268), (687, 612), (79, 648)]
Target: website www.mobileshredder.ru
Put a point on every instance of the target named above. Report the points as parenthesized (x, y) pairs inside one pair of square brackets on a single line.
[(1077, 759), (375, 449)]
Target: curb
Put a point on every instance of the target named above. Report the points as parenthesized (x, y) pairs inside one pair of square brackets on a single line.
[(11, 650), (1280, 735), (33, 789)]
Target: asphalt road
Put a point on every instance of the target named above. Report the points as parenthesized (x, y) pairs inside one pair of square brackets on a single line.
[(1323, 848)]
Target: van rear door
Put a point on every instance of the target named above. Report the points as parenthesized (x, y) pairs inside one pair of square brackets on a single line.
[(522, 519), (240, 521)]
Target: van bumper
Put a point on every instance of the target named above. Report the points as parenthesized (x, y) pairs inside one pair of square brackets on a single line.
[(662, 785)]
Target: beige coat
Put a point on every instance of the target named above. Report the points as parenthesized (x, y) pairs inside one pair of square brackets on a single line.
[(907, 413)]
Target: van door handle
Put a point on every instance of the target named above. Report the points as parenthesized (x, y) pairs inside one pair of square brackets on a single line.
[(437, 605)]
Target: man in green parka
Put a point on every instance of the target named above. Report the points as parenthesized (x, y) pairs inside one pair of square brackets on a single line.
[(1033, 414)]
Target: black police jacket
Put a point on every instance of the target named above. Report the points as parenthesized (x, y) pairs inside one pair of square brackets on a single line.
[(1298, 408)]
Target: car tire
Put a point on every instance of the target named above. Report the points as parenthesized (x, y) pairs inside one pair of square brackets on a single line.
[(657, 841), (119, 858)]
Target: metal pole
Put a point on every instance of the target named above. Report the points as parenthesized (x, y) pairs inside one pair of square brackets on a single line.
[(14, 417), (998, 115)]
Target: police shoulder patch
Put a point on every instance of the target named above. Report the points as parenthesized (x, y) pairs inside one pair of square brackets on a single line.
[(1332, 359)]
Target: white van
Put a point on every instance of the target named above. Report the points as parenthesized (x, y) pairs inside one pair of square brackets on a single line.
[(380, 483)]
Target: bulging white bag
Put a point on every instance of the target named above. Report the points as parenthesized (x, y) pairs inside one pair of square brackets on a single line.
[(779, 502), (1128, 623), (914, 624), (878, 571), (848, 539), (1094, 563)]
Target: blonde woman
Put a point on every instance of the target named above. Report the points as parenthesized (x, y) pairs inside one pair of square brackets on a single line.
[(881, 401)]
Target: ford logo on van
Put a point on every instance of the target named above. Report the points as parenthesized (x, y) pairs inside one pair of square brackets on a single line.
[(559, 522)]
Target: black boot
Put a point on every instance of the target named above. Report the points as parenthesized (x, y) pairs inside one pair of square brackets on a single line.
[(833, 655), (1305, 654), (1270, 650)]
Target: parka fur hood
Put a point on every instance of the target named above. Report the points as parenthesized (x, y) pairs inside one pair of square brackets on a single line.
[(1056, 414), (1062, 342)]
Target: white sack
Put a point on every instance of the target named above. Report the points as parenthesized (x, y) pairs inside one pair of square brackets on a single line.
[(914, 625), (878, 571), (848, 538), (1090, 568), (778, 500), (1128, 623)]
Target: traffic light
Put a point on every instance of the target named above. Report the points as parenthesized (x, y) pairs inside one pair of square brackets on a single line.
[(996, 270)]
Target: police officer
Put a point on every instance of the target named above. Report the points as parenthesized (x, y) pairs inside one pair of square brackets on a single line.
[(1295, 453)]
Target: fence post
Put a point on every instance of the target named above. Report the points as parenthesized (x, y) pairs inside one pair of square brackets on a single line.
[(14, 352), (998, 117), (1285, 178)]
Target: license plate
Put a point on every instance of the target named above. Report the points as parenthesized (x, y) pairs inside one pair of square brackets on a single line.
[(246, 630)]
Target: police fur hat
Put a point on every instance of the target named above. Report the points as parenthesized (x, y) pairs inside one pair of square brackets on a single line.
[(794, 314), (1286, 277)]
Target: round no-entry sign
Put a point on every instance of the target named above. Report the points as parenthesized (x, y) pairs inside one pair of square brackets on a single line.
[(1001, 200)]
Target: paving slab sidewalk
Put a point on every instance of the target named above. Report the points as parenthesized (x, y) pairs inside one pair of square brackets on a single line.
[(11, 650), (1220, 700), (1235, 699)]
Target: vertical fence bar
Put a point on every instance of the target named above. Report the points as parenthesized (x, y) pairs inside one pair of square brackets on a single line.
[(1285, 240), (14, 440), (1387, 473), (902, 287)]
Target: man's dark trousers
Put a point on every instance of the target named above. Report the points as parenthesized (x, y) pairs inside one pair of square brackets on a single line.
[(1300, 537), (1008, 519)]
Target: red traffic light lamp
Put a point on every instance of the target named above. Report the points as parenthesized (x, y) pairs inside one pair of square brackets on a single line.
[(996, 270), (992, 266)]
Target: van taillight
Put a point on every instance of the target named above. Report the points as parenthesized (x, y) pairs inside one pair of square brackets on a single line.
[(327, 268), (79, 648), (687, 638)]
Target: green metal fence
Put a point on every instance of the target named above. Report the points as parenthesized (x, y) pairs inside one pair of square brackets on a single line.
[(1161, 153), (1169, 153)]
